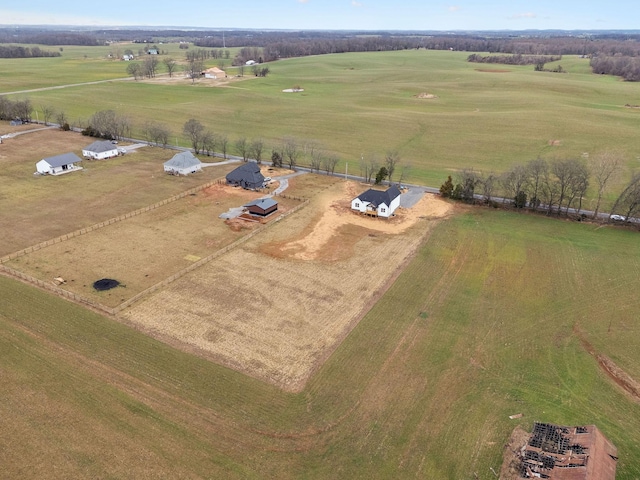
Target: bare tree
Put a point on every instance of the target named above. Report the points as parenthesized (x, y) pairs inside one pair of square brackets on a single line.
[(223, 141), (47, 113), (605, 166), (157, 133), (256, 148), (488, 184), (194, 69), (371, 167), (628, 202), (242, 147), (150, 66), (171, 65), (538, 172), (194, 130), (62, 121), (404, 171), (109, 124), (22, 109), (468, 180), (330, 163), (572, 179), (135, 70), (291, 152), (391, 160), (316, 160), (514, 183), (208, 142)]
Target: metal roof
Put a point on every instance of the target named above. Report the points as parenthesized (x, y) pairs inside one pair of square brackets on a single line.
[(264, 203), (101, 146), (63, 159), (182, 160), (378, 197)]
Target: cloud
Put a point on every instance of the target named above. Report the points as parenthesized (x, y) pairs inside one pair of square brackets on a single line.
[(454, 8), (303, 1), (356, 3), (519, 16)]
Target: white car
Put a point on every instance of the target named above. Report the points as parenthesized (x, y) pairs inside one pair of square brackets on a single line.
[(617, 218)]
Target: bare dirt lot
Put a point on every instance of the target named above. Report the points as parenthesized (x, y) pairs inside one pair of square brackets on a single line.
[(277, 306)]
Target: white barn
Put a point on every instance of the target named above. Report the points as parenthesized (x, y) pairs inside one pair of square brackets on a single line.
[(100, 150), (377, 202), (59, 164), (183, 163)]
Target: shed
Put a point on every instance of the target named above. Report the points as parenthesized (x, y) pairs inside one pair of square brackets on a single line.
[(100, 149), (247, 176), (377, 202), (262, 206), (183, 163), (59, 164), (215, 73)]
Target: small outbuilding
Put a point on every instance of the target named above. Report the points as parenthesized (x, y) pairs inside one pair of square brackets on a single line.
[(247, 176), (183, 163), (214, 73), (59, 164), (100, 149), (262, 207), (377, 202)]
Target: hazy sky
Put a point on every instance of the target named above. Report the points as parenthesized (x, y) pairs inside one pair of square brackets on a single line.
[(334, 14)]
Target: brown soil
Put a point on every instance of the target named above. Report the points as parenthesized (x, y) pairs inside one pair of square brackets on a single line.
[(491, 70), (613, 371), (517, 440), (426, 95), (276, 307)]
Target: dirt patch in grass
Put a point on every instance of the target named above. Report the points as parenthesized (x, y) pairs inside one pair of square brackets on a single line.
[(277, 306), (511, 461), (492, 70), (630, 385)]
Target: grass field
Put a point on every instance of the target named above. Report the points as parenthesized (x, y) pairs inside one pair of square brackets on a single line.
[(480, 326), (35, 209), (366, 104)]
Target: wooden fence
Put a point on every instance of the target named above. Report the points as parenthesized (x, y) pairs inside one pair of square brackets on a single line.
[(111, 221)]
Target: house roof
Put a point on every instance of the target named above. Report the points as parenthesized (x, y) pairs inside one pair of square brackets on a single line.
[(214, 70), (63, 159), (100, 146), (247, 174), (264, 203), (182, 160), (378, 197)]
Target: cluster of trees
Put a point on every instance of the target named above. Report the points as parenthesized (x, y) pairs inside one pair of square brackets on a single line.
[(248, 53), (555, 186), (623, 66), (516, 59), (203, 54), (109, 125), (19, 109), (16, 51)]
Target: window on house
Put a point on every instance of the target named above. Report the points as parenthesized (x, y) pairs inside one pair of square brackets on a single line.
[(357, 205), (383, 210)]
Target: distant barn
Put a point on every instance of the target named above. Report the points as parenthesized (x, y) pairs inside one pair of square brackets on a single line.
[(262, 206), (246, 176)]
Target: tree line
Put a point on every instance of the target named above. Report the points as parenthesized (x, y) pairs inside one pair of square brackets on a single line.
[(516, 59), (17, 51), (556, 187), (627, 67)]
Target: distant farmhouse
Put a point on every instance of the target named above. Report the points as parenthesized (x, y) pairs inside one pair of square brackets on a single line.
[(59, 164), (214, 73), (183, 163), (377, 202), (100, 150), (246, 176), (262, 207), (568, 453)]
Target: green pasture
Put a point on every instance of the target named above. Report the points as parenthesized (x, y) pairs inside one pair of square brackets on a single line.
[(480, 326), (486, 116)]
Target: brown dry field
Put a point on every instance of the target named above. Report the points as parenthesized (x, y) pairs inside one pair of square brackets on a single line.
[(36, 208), (144, 250), (277, 306)]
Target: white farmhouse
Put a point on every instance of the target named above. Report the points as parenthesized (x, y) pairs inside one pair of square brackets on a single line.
[(377, 202), (100, 150), (183, 163), (59, 164)]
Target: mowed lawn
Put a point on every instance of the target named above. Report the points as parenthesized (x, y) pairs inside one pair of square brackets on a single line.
[(358, 105), (480, 326)]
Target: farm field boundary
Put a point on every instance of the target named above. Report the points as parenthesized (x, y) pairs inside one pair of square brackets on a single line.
[(99, 225)]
